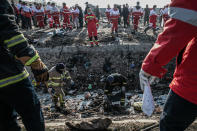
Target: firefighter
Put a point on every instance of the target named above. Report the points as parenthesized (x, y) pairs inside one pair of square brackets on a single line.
[(177, 40), (17, 95), (114, 15), (92, 24), (66, 13), (152, 20), (58, 79), (55, 15), (114, 83), (39, 12), (137, 13), (107, 13)]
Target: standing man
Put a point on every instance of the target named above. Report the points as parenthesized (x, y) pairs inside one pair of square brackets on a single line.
[(152, 20), (178, 39), (80, 17), (137, 14), (114, 15), (66, 13), (55, 15), (75, 13), (27, 16), (92, 24), (39, 13), (97, 13), (165, 14), (107, 13), (125, 14), (16, 91), (18, 16), (146, 15), (86, 9)]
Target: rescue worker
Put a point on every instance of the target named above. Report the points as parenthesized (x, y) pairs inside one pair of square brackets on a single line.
[(75, 13), (39, 12), (114, 82), (58, 79), (66, 13), (152, 20), (165, 14), (137, 13), (92, 24), (114, 15), (48, 14), (16, 92), (146, 15), (178, 39), (107, 13), (27, 16), (55, 15)]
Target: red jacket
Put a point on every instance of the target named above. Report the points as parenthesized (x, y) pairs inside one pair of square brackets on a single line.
[(91, 20), (66, 12), (137, 13), (178, 39)]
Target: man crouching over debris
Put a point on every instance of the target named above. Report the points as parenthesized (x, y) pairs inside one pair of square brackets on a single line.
[(114, 93), (58, 79), (93, 25)]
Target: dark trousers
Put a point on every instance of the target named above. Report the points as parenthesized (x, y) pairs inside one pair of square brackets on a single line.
[(28, 23), (20, 98), (23, 22), (126, 22), (146, 21), (178, 113), (81, 21)]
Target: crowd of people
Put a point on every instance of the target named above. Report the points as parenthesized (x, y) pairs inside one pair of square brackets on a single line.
[(73, 17)]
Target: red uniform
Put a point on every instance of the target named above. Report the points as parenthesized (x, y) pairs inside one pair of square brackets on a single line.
[(178, 39), (66, 14), (137, 13), (165, 15), (107, 13), (39, 12), (153, 19), (92, 24), (114, 15), (55, 16)]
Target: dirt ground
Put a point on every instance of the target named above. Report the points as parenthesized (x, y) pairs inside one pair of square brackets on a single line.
[(60, 46)]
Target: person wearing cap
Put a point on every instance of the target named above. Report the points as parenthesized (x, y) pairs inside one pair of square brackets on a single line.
[(59, 78)]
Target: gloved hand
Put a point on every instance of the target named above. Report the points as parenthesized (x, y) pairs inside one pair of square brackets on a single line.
[(40, 71), (145, 78)]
